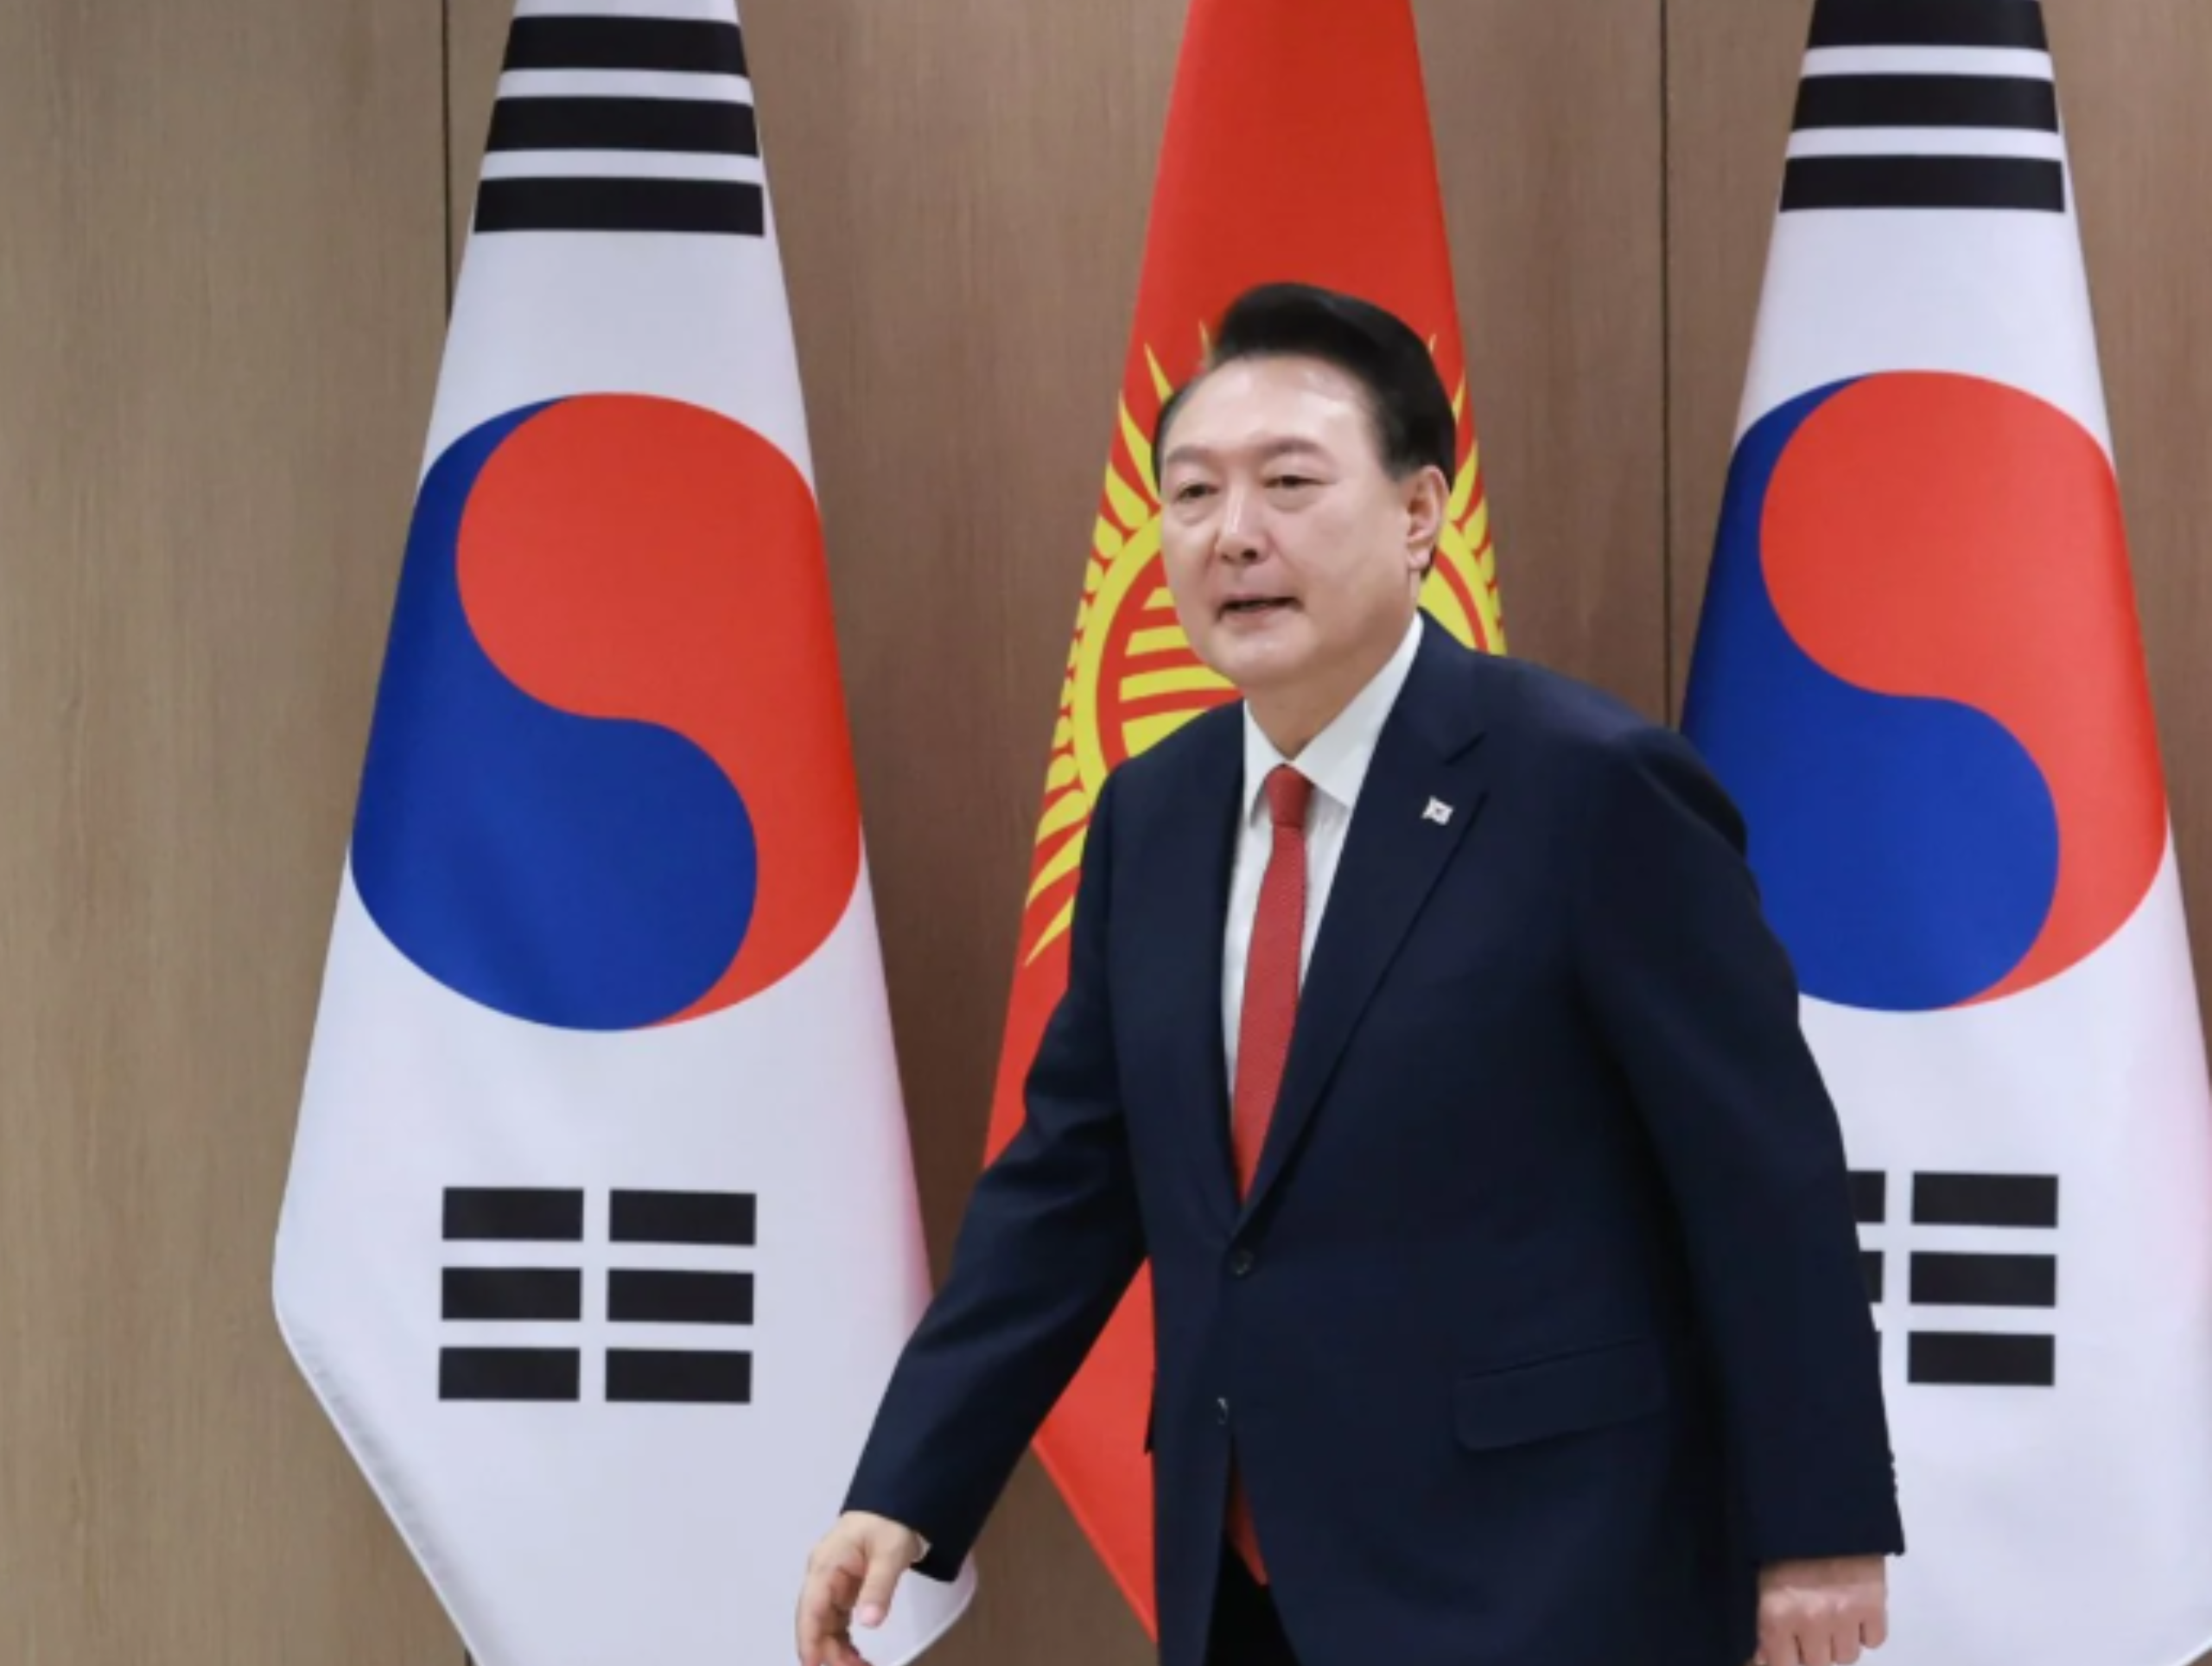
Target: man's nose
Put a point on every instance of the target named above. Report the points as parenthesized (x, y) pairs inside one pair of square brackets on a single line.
[(1238, 537)]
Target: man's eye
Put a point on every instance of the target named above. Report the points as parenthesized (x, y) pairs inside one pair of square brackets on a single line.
[(1192, 491), (1291, 480)]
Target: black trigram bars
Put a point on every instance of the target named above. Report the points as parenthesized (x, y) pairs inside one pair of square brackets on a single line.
[(1928, 23), (677, 44), (639, 1295), (1943, 1278), (704, 126), (710, 120), (1870, 1207), (511, 1215), (1994, 171), (660, 1296)]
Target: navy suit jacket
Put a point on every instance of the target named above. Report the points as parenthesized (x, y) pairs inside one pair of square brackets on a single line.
[(1542, 1326)]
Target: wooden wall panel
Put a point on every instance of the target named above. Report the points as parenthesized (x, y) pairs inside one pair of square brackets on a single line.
[(1732, 81), (476, 37), (1549, 138), (220, 295)]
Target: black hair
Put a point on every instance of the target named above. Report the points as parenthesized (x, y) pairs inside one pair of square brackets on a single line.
[(1406, 397)]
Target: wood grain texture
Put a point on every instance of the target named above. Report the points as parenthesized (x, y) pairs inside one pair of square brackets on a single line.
[(219, 294), (1732, 80), (476, 38), (1547, 128)]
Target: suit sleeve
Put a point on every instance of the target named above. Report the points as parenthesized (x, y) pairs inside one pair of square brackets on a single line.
[(1699, 1005), (1050, 1242)]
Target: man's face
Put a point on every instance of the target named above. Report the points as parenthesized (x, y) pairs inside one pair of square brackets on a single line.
[(1293, 556)]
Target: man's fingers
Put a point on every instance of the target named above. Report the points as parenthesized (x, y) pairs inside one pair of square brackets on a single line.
[(850, 1578), (1778, 1644), (825, 1600), (836, 1651), (827, 1646), (1852, 1638), (883, 1572), (1875, 1629), (1821, 1634), (818, 1632)]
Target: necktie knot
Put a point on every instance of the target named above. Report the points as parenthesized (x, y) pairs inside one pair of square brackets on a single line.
[(1288, 795)]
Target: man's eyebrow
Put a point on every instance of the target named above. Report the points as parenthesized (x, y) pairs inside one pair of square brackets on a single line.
[(1268, 450)]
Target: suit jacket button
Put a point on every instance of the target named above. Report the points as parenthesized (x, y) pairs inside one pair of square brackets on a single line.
[(1241, 1263), (1221, 1411)]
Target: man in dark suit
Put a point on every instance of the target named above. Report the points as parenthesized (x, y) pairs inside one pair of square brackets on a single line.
[(1423, 1028)]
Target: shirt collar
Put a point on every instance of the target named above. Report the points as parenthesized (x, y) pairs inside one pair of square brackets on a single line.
[(1336, 759)]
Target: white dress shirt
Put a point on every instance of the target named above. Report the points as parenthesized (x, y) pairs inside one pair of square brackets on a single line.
[(1335, 761)]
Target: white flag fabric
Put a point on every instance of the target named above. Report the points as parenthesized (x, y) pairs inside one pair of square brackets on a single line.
[(601, 1237), (1919, 672)]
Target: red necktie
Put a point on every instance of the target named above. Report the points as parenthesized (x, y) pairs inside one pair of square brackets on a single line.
[(1263, 1030)]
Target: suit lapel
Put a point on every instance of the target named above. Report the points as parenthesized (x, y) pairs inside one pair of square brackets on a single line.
[(1394, 852), (1200, 846)]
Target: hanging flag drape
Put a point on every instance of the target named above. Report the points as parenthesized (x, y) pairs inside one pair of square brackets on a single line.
[(601, 1236), (1919, 673)]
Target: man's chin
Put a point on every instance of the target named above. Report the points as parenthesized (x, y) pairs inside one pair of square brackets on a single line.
[(1260, 666)]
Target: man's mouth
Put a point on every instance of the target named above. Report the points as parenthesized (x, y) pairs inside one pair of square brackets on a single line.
[(1249, 606)]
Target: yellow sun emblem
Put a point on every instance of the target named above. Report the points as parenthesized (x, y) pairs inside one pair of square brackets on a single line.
[(1132, 680)]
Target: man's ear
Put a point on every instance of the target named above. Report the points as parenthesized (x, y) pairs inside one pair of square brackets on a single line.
[(1427, 496)]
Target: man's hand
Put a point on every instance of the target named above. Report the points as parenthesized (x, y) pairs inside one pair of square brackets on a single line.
[(1821, 1613), (850, 1577)]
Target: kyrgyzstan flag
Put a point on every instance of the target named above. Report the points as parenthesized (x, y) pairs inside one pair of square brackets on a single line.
[(1298, 149)]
